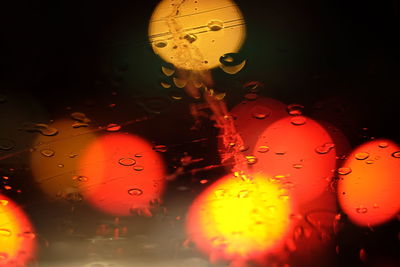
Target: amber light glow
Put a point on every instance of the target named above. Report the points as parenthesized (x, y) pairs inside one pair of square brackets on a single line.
[(369, 184), (17, 236), (194, 34), (121, 174), (236, 219)]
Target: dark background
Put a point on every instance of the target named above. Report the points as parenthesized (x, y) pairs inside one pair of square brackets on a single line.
[(337, 58)]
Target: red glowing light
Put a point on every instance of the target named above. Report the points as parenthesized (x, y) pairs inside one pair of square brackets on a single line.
[(124, 175), (301, 156), (17, 236), (370, 193)]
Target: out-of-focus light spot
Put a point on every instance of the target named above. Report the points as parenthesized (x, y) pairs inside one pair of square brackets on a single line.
[(54, 159), (247, 116), (370, 193), (193, 35), (125, 175), (17, 238), (239, 219), (296, 158)]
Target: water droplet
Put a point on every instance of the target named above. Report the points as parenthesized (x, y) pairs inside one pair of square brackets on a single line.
[(251, 96), (298, 120), (383, 145), (215, 25), (127, 161), (252, 86), (113, 127), (47, 152), (78, 124), (160, 44), (344, 170), (251, 160), (42, 128), (72, 155), (243, 148), (190, 37), (167, 71), (80, 178), (263, 149), (60, 165), (375, 206), (396, 154), (74, 197), (220, 96), (7, 187), (5, 232), (6, 144), (325, 148), (369, 161), (219, 193), (138, 168), (135, 192), (243, 194), (138, 155), (3, 202), (203, 181), (260, 112), (295, 109), (176, 95), (361, 209), (180, 83), (165, 85), (362, 155), (297, 166), (277, 178), (232, 63), (160, 148), (79, 116)]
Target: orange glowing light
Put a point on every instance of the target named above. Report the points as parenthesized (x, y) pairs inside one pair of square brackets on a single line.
[(236, 219), (123, 174), (370, 193), (17, 236), (54, 160), (301, 156)]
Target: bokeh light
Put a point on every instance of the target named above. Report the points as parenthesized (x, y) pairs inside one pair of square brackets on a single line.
[(369, 185), (121, 175), (17, 235), (193, 35), (236, 219)]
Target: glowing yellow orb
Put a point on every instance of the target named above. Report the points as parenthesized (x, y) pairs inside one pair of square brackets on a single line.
[(193, 35), (240, 219)]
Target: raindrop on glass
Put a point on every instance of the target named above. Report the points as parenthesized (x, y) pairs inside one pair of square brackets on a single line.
[(47, 152), (251, 160), (215, 25), (135, 192), (190, 37), (383, 145), (396, 154), (325, 148), (167, 71), (113, 127), (362, 155), (243, 194), (180, 83), (263, 149), (344, 170), (160, 148), (127, 161), (138, 168), (298, 120), (165, 85), (361, 209), (5, 233), (80, 178), (79, 116), (295, 109), (297, 166), (6, 144), (160, 44)]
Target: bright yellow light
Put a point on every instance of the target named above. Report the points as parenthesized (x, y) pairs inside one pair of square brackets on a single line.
[(193, 35), (240, 219)]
